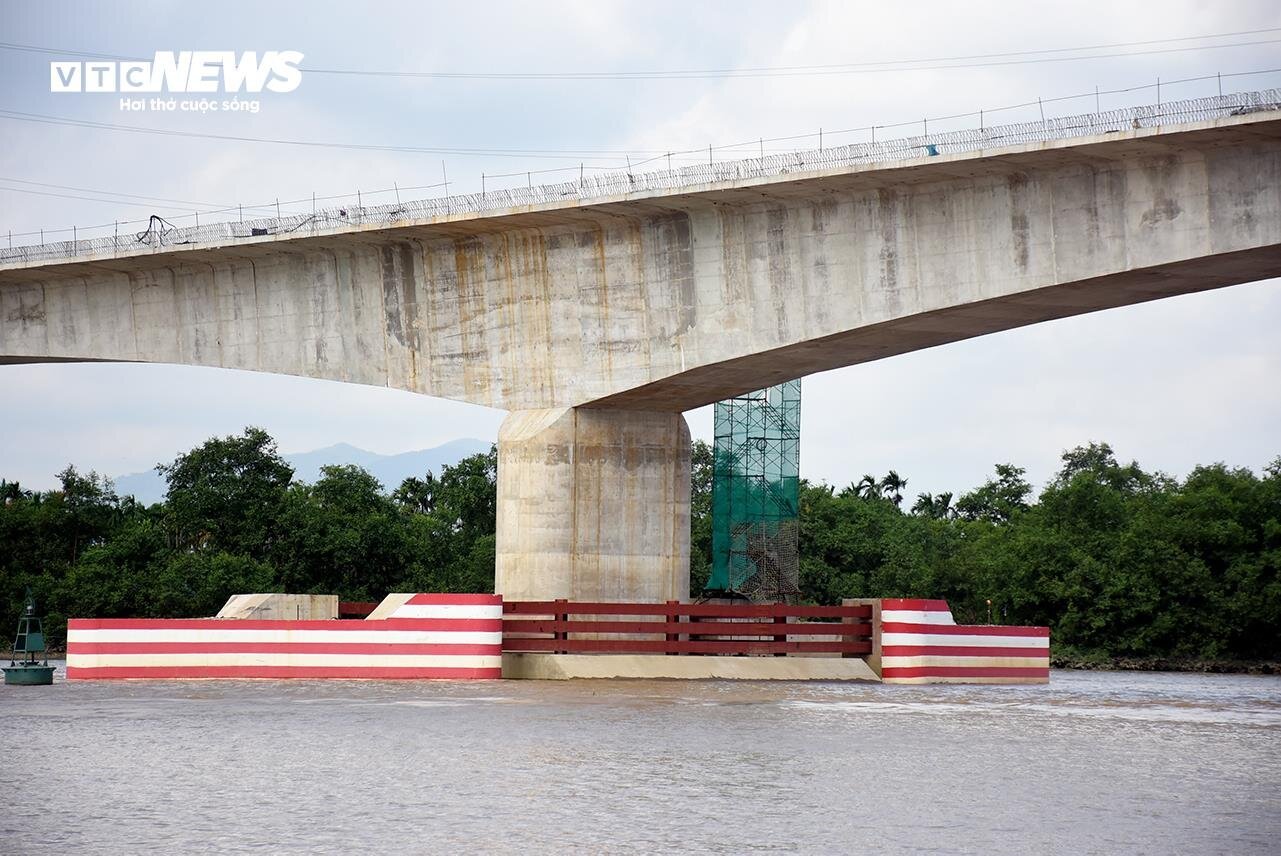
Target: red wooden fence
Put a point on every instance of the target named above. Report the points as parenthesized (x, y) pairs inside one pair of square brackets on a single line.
[(685, 628)]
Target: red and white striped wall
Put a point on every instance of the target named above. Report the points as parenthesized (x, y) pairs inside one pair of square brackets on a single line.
[(922, 644), (454, 636)]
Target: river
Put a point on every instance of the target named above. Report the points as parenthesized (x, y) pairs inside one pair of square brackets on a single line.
[(1096, 762)]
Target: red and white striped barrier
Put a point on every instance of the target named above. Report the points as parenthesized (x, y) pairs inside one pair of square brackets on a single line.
[(922, 644), (426, 636)]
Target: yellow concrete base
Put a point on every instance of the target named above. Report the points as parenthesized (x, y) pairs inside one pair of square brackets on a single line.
[(561, 667)]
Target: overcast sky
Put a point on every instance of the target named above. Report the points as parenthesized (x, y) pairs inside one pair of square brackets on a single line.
[(1174, 383)]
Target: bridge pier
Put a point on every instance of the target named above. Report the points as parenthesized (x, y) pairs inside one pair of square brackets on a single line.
[(593, 505)]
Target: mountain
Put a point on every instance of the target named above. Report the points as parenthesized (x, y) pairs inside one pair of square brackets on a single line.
[(391, 470)]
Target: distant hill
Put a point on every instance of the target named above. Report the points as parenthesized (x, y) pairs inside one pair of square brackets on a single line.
[(391, 470)]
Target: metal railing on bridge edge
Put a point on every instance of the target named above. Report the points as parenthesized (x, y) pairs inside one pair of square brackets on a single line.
[(608, 185)]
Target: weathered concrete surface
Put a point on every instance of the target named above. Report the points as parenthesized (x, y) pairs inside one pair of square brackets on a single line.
[(276, 607), (667, 302), (562, 667), (671, 301), (593, 505), (661, 302)]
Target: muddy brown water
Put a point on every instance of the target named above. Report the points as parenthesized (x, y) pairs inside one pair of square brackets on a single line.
[(1095, 762)]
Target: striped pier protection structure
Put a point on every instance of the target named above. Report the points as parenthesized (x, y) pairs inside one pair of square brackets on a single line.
[(453, 636), (465, 636), (920, 643)]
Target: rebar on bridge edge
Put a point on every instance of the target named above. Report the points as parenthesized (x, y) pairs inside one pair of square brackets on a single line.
[(616, 183)]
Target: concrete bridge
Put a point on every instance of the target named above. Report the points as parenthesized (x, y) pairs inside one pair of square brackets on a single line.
[(597, 321)]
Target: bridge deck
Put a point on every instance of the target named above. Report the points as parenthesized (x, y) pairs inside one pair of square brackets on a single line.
[(972, 153)]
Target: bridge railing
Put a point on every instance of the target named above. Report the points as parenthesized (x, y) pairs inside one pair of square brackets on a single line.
[(726, 629), (610, 185)]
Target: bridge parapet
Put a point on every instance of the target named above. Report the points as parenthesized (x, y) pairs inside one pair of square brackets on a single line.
[(628, 185)]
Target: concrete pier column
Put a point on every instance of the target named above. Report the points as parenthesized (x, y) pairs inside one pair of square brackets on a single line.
[(593, 505)]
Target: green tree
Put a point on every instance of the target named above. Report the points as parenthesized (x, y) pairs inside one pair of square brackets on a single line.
[(868, 487), (467, 494), (343, 536), (999, 499), (700, 508), (116, 579), (198, 584), (937, 507), (1118, 561), (227, 494), (417, 494), (892, 487)]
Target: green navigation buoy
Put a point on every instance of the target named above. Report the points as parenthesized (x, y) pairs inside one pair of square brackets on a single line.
[(25, 667)]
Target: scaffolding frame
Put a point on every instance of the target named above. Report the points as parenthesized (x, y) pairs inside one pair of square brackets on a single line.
[(755, 495)]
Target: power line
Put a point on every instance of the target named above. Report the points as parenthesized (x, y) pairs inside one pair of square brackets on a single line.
[(111, 193), (559, 154), (919, 64), (127, 202), (190, 209), (13, 46), (782, 72)]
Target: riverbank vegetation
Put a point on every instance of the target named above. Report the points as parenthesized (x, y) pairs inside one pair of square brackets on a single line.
[(1121, 563)]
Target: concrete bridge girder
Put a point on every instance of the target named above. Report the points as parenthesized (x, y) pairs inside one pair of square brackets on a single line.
[(574, 316), (653, 303)]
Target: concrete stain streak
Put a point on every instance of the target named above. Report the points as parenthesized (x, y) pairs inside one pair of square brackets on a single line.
[(889, 221), (1160, 173), (25, 311), (601, 290), (1020, 225), (482, 375), (511, 348), (781, 266), (543, 312), (680, 270), (392, 308)]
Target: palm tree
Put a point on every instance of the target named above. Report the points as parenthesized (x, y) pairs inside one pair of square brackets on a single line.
[(868, 487), (937, 507), (892, 486)]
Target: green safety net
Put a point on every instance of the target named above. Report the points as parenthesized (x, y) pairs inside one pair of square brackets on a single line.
[(755, 494)]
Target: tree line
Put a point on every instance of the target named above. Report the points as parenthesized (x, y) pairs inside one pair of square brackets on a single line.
[(1118, 561)]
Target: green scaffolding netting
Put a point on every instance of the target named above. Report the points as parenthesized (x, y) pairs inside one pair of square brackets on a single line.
[(755, 488)]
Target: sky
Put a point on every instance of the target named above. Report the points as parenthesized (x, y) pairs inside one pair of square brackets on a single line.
[(1173, 383)]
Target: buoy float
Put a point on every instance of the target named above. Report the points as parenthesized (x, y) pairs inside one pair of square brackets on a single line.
[(25, 667)]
